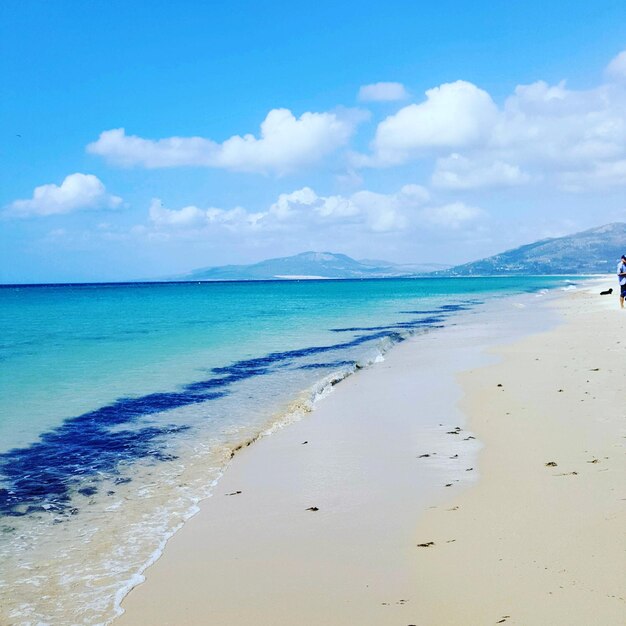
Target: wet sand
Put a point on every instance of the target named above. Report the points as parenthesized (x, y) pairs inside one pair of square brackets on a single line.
[(320, 522)]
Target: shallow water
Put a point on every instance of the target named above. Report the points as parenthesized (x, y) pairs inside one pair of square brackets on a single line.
[(121, 404)]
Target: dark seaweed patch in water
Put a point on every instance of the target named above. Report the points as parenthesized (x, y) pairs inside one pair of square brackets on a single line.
[(49, 471), (446, 309), (261, 365), (44, 475), (426, 321), (329, 365)]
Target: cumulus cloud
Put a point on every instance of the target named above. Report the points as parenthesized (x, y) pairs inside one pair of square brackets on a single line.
[(459, 172), (382, 92), (304, 211), (289, 204), (541, 132), (77, 192), (193, 218), (573, 139), (616, 69), (453, 115), (285, 143)]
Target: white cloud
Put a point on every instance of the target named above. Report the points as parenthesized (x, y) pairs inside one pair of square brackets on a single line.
[(617, 67), (382, 92), (189, 216), (459, 172), (374, 212), (289, 204), (453, 115), (541, 133), (193, 218), (555, 127), (286, 143), (77, 192), (304, 211)]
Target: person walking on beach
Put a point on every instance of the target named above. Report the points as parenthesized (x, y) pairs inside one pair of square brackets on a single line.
[(621, 276)]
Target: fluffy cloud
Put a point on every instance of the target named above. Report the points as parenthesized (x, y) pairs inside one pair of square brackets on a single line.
[(453, 115), (382, 92), (192, 217), (574, 139), (459, 172), (541, 132), (289, 204), (76, 193), (303, 211), (286, 143)]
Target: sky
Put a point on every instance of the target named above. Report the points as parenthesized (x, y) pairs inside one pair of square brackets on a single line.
[(144, 139)]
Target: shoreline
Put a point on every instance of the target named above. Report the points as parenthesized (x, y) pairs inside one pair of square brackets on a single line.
[(144, 603), (299, 408), (126, 517)]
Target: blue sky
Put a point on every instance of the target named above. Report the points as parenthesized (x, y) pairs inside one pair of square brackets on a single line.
[(408, 131)]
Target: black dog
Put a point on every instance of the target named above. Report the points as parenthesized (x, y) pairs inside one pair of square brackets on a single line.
[(608, 292)]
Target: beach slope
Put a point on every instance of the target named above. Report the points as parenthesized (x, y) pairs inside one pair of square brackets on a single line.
[(381, 508)]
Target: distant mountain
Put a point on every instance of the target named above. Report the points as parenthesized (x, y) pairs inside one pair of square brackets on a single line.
[(310, 265), (594, 251)]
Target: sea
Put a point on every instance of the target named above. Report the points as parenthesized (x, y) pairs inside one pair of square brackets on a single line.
[(121, 405)]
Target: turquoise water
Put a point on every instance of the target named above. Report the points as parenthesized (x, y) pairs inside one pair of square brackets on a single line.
[(121, 404)]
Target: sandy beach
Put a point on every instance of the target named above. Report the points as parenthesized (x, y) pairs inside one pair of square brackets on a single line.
[(476, 476)]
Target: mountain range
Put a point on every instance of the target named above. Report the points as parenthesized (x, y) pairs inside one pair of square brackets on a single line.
[(312, 265), (594, 251)]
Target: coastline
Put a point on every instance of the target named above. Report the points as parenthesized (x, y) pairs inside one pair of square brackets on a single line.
[(97, 516), (352, 559)]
